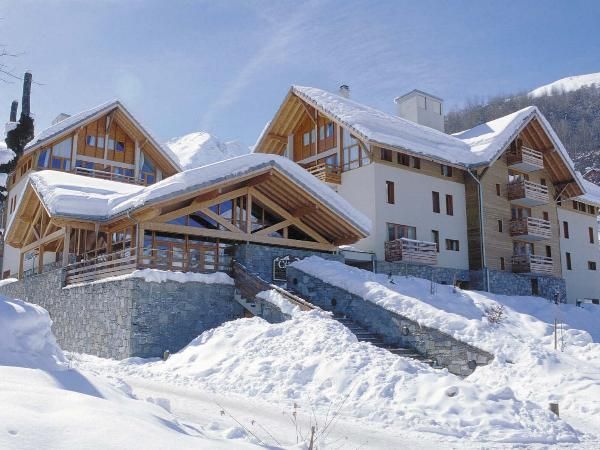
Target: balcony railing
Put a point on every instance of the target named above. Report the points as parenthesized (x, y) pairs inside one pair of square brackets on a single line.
[(525, 159), (328, 173), (530, 229), (532, 264), (409, 250), (526, 193), (106, 175)]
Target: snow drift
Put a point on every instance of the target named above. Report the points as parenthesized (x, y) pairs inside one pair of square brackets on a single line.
[(316, 362)]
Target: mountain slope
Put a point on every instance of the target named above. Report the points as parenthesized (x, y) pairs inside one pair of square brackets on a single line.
[(567, 84), (201, 148), (571, 105)]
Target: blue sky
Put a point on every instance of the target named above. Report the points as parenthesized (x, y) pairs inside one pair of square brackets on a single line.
[(225, 66)]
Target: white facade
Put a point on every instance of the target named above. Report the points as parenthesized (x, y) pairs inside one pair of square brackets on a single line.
[(582, 282), (365, 188)]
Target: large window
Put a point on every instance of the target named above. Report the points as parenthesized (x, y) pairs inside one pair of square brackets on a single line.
[(354, 155), (435, 198), (396, 231), (449, 205), (390, 192), (58, 157), (147, 172)]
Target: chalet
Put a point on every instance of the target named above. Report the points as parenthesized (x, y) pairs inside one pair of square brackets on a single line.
[(496, 207)]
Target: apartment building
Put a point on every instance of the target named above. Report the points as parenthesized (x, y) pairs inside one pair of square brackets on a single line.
[(483, 206)]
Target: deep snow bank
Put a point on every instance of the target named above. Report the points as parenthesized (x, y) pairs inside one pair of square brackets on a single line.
[(25, 336), (316, 362), (44, 404)]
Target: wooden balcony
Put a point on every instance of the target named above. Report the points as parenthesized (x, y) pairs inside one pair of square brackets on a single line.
[(411, 251), (527, 194), (106, 175), (328, 173), (525, 159), (530, 229), (532, 264)]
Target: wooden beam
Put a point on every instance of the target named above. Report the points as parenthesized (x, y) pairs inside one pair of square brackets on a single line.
[(221, 221), (51, 237), (276, 227), (66, 246), (309, 111), (304, 210), (278, 137), (205, 232), (249, 212), (40, 259)]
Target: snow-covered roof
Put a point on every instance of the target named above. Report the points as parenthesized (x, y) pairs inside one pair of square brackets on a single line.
[(592, 191), (68, 195), (379, 127), (70, 122), (201, 148)]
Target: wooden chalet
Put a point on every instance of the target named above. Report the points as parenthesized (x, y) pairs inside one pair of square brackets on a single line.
[(189, 222)]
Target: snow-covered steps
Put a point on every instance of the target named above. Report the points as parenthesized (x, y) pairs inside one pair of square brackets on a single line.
[(365, 335)]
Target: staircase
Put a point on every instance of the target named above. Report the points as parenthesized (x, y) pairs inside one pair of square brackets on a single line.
[(364, 335)]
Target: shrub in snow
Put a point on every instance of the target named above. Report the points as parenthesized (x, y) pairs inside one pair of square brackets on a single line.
[(494, 314)]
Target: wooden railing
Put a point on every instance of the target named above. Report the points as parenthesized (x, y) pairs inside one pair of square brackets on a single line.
[(531, 227), (250, 285), (106, 175), (179, 261), (328, 173), (102, 266), (409, 250), (532, 264), (526, 158), (531, 193)]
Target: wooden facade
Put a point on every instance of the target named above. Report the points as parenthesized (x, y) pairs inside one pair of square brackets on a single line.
[(195, 231)]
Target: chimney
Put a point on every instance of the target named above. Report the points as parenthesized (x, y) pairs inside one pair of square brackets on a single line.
[(26, 102), (345, 91), (422, 108), (13, 110)]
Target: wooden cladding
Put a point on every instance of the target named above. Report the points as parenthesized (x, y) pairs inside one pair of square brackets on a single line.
[(531, 229), (411, 251), (524, 159), (106, 137), (527, 193), (327, 173), (313, 137)]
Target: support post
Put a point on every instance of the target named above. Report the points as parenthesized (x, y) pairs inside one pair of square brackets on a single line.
[(40, 259), (21, 257), (66, 246)]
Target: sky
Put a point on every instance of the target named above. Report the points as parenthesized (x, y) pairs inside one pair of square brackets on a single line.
[(225, 66)]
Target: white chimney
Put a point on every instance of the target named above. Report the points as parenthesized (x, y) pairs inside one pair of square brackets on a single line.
[(345, 91), (422, 108)]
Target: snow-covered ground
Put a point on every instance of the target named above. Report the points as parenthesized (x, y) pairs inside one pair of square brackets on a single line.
[(201, 148), (567, 84), (246, 379)]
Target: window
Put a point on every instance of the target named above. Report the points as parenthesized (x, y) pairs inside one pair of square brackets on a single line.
[(43, 158), (415, 162), (543, 181), (500, 226), (568, 258), (591, 265), (449, 205), (520, 213), (100, 142), (566, 229), (452, 245), (396, 231), (498, 192), (545, 215), (435, 197), (90, 140), (502, 263), (390, 192), (403, 159), (352, 152), (591, 234), (591, 210), (548, 251), (435, 237), (446, 170), (387, 155), (120, 146)]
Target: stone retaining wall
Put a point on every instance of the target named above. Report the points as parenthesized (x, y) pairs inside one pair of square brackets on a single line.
[(441, 275), (460, 358), (130, 317)]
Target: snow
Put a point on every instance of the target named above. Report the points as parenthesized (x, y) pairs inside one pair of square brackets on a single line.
[(313, 361), (46, 404), (567, 84), (592, 191), (523, 343), (201, 148), (379, 127), (487, 139), (161, 276), (90, 198), (275, 298), (6, 154)]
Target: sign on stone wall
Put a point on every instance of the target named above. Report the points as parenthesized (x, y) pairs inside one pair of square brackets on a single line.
[(280, 265)]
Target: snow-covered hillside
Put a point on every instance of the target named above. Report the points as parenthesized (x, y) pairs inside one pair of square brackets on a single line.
[(201, 148), (567, 84), (46, 404)]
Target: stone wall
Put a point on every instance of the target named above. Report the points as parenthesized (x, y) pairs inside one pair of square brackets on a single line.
[(130, 317), (460, 358), (441, 275), (508, 283), (258, 259)]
